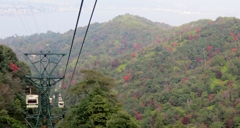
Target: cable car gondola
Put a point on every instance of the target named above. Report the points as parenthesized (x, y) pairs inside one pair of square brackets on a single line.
[(32, 101)]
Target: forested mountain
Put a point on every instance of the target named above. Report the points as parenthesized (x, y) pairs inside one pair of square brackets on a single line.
[(12, 87), (165, 76)]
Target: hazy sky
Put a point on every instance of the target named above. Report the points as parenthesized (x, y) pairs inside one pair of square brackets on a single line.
[(173, 12)]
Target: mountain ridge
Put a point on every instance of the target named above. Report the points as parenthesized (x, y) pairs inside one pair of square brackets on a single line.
[(179, 74)]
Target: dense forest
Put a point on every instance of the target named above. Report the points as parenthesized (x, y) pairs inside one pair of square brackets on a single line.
[(153, 74)]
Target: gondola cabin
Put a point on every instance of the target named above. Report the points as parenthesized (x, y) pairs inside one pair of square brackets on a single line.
[(50, 101), (60, 104), (32, 101)]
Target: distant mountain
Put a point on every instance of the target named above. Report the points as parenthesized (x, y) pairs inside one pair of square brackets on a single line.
[(184, 75), (108, 38)]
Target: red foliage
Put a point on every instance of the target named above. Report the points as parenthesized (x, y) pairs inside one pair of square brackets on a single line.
[(209, 48), (229, 123), (235, 38), (233, 50), (199, 59), (184, 79), (198, 29), (185, 120), (190, 37), (127, 78), (211, 97), (175, 44), (133, 55), (136, 46), (138, 116), (169, 49), (210, 54), (230, 83), (232, 34), (14, 67), (152, 102)]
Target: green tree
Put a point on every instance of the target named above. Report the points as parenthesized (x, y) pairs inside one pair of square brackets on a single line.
[(99, 110), (97, 105), (8, 122), (122, 120), (159, 121)]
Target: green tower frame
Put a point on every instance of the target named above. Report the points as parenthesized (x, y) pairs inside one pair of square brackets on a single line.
[(44, 63)]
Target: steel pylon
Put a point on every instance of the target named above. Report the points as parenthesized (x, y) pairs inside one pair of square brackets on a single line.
[(44, 78)]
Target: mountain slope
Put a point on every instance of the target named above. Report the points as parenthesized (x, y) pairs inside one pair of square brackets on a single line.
[(187, 74)]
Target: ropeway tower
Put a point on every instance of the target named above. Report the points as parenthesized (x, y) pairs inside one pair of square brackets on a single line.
[(43, 79)]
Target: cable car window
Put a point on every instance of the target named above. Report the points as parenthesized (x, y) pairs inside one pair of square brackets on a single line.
[(31, 101)]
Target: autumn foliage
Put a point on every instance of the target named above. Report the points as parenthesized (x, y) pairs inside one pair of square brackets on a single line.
[(233, 50), (175, 44), (211, 97), (184, 79), (209, 48), (127, 78), (138, 116), (133, 55), (185, 120), (14, 67)]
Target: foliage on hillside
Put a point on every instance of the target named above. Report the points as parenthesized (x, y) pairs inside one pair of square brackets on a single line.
[(184, 76), (190, 78), (12, 85), (97, 107)]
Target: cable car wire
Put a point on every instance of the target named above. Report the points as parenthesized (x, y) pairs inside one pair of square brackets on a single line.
[(79, 13), (34, 19), (25, 20), (82, 43), (44, 11), (19, 17)]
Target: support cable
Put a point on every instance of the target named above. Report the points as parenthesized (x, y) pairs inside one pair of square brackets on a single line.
[(45, 14), (24, 18), (34, 19), (82, 44), (79, 13), (19, 16)]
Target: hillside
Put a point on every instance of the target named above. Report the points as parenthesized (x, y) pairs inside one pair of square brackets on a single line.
[(171, 76), (186, 77), (12, 89)]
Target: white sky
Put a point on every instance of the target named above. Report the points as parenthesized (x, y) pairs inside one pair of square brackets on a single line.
[(173, 12)]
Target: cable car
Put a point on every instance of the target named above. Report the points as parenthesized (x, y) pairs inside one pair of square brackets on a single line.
[(50, 101), (32, 101), (60, 104), (60, 101)]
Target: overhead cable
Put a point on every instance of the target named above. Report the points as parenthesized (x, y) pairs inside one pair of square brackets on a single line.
[(34, 19), (82, 43), (79, 13), (19, 17), (45, 14)]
